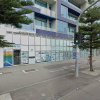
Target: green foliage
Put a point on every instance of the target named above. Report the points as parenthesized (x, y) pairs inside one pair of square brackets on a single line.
[(13, 12), (90, 1), (4, 43), (91, 28)]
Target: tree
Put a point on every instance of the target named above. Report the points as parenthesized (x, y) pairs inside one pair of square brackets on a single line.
[(4, 43), (90, 1), (91, 31), (13, 12)]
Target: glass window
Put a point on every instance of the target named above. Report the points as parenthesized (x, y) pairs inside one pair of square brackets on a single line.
[(65, 1), (49, 48), (42, 4), (48, 42), (62, 27), (43, 41), (57, 42), (43, 48), (64, 11), (49, 25), (39, 22), (53, 42), (65, 42), (30, 26), (61, 42), (37, 48), (49, 7)]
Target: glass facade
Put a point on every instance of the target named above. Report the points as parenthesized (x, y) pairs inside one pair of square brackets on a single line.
[(40, 22), (71, 16), (65, 1), (64, 11), (62, 27), (76, 5), (35, 49), (41, 3), (30, 26), (71, 30)]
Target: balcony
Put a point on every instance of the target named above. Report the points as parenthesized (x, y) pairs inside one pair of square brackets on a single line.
[(72, 19), (46, 11), (45, 28), (74, 6), (50, 1), (79, 2)]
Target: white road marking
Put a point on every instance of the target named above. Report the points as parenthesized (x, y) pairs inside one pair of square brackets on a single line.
[(72, 65), (58, 70), (36, 70), (82, 67), (65, 68), (23, 71), (1, 73), (5, 97), (43, 94)]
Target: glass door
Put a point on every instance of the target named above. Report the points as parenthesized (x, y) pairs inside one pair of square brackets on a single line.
[(17, 59)]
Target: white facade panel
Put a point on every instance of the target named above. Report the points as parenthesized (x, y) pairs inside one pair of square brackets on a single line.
[(24, 39), (31, 40), (37, 40), (16, 38), (31, 51), (1, 57), (43, 41), (8, 37), (24, 48)]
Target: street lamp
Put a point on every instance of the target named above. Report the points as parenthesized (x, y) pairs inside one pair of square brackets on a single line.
[(77, 30)]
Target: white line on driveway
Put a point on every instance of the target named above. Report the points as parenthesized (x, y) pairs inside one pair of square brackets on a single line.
[(0, 73), (5, 97), (58, 70)]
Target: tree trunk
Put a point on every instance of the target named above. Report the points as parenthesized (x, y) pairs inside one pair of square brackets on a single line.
[(91, 67)]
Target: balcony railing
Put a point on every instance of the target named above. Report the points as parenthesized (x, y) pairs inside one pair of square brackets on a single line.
[(45, 28), (74, 6), (72, 19), (46, 11)]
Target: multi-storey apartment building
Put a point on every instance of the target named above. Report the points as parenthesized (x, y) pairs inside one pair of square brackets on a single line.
[(49, 37)]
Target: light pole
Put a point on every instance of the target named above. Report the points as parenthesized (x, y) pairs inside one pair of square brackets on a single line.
[(77, 30)]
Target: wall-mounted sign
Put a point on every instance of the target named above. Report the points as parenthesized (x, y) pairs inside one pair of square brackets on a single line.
[(17, 47)]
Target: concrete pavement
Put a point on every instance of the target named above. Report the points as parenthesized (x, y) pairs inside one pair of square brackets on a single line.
[(88, 92)]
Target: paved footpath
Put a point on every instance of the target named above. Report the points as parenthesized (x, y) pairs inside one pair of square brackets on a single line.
[(45, 81), (89, 92)]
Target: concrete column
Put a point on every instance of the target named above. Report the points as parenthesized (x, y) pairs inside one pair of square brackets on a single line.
[(84, 6), (47, 23), (48, 5), (1, 57)]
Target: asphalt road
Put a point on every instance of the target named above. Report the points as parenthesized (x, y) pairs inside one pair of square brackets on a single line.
[(44, 81)]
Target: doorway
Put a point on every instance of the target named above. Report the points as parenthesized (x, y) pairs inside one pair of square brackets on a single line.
[(17, 57)]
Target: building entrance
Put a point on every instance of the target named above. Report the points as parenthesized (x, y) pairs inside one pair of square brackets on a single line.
[(17, 57)]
